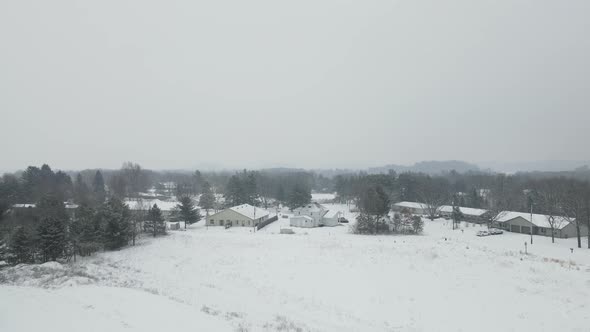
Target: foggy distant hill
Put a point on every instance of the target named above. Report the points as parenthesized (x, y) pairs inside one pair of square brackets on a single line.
[(429, 167), (534, 166)]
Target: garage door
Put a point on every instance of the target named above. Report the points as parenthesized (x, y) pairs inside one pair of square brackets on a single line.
[(525, 229), (515, 228)]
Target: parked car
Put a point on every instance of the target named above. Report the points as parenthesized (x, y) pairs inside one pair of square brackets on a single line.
[(343, 220), (495, 231), (483, 233)]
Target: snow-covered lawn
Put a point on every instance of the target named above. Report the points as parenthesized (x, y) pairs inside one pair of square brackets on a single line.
[(322, 279)]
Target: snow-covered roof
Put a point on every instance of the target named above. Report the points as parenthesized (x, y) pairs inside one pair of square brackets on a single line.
[(250, 211), (24, 205), (539, 220), (311, 207), (302, 217), (148, 203), (465, 210), (331, 214), (27, 205), (411, 205)]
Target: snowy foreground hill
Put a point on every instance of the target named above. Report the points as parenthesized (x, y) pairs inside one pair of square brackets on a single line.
[(321, 279)]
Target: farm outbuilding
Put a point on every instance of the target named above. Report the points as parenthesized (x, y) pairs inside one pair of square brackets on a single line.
[(303, 221), (331, 217)]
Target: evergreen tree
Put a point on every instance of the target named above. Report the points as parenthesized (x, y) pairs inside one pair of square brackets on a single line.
[(155, 222), (197, 183), (234, 193), (52, 238), (187, 212), (51, 207), (374, 201), (207, 199), (19, 246), (250, 189), (84, 233), (98, 188), (417, 224), (114, 218), (81, 191), (280, 196), (11, 192), (300, 195), (4, 206)]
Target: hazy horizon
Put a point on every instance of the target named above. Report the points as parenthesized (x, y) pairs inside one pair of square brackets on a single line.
[(329, 84)]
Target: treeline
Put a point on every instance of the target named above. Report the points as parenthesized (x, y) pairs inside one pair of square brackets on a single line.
[(49, 215)]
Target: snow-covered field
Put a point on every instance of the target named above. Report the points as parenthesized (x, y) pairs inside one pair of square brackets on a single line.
[(322, 279), (322, 197)]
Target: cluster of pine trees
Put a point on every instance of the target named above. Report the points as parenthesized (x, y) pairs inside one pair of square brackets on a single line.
[(62, 234), (257, 188)]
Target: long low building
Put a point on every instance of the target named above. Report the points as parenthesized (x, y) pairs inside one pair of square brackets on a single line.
[(413, 207), (469, 214), (244, 215), (521, 222), (166, 207)]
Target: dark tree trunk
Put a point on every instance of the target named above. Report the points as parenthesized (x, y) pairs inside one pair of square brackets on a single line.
[(578, 234)]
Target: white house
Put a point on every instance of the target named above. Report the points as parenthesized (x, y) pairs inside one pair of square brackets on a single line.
[(320, 214), (470, 214), (242, 215), (521, 222), (314, 210), (413, 207)]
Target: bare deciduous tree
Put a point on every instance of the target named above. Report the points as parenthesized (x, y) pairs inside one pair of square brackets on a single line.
[(433, 192), (551, 197)]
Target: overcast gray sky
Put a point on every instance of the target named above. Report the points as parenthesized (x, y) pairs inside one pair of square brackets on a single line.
[(179, 84)]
